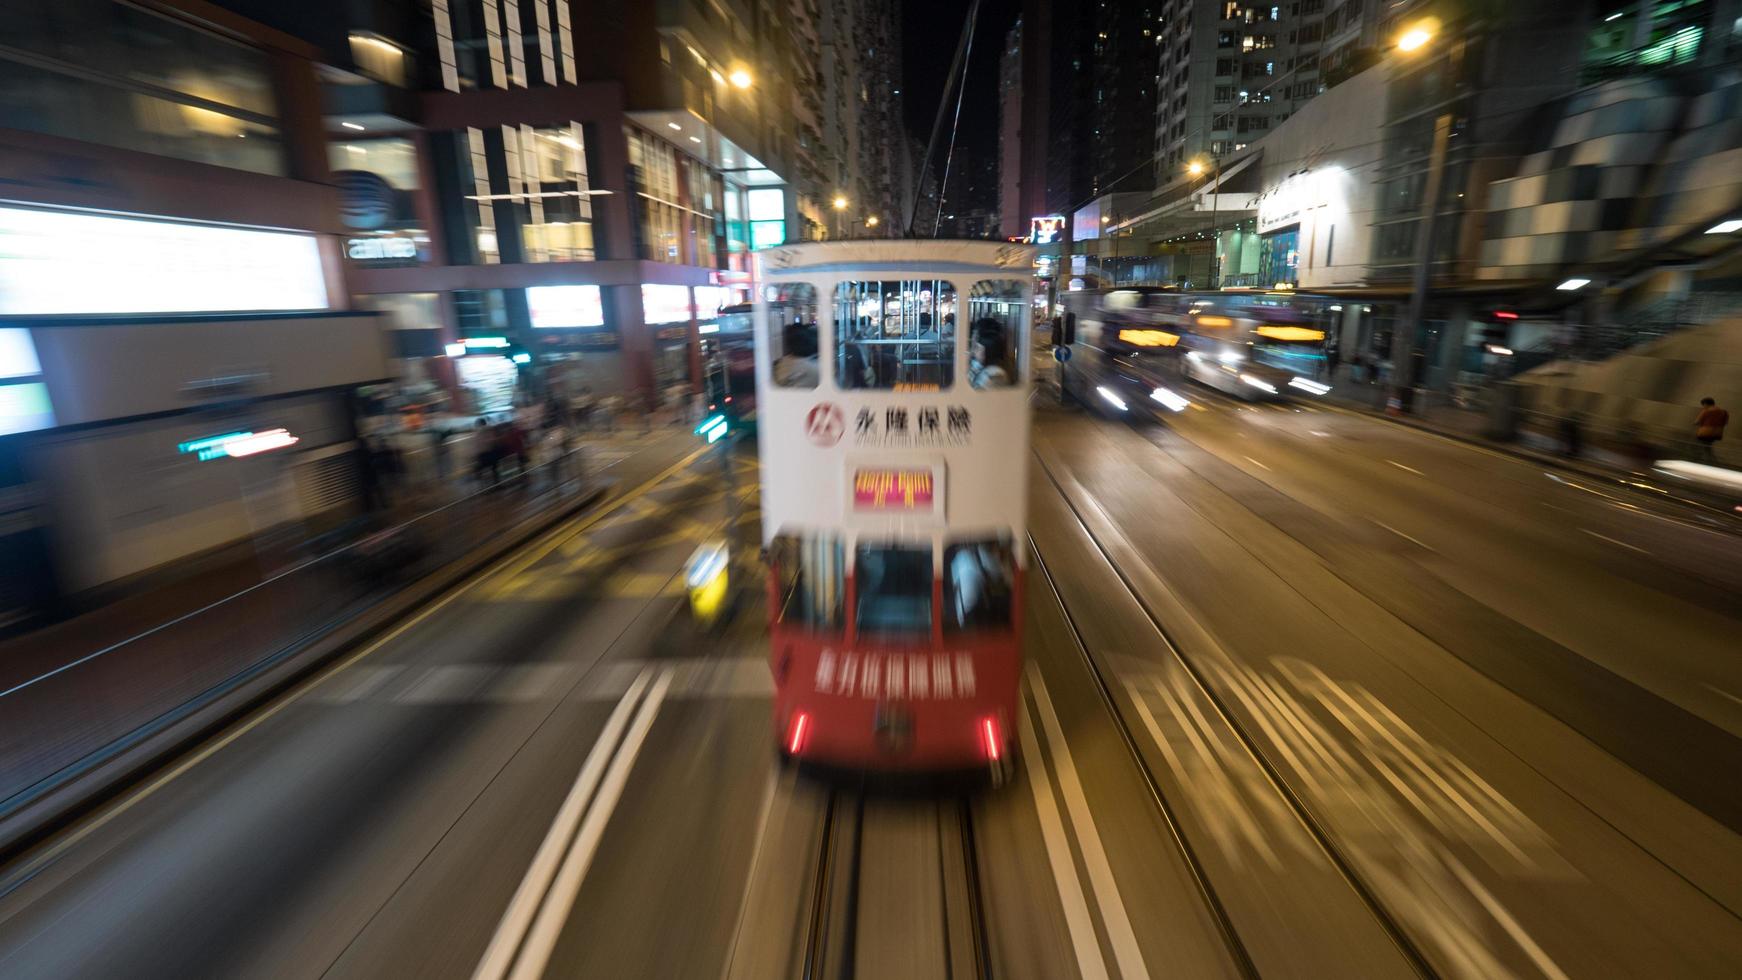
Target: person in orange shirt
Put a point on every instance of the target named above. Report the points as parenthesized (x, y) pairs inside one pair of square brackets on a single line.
[(1709, 427)]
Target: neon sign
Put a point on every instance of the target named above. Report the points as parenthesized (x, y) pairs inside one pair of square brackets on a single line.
[(882, 490)]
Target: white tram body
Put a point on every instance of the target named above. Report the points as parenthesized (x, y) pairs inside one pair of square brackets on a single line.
[(893, 424)]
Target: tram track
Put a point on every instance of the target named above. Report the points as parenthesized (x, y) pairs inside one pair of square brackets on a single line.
[(859, 841), (1128, 733)]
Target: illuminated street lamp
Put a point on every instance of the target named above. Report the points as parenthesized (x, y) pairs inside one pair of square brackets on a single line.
[(840, 205), (1196, 168), (1413, 40), (740, 79)]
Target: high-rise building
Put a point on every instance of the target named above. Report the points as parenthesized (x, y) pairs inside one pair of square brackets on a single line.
[(585, 180), (1230, 70), (1101, 92)]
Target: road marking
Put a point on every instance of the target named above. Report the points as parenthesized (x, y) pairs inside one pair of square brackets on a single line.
[(1400, 466), (1119, 933), (518, 917), (1412, 540), (560, 901), (1607, 538), (508, 565), (1058, 854), (1256, 463)]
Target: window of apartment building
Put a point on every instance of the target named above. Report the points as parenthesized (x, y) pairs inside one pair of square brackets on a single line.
[(1310, 7), (1225, 66), (1224, 93), (378, 58), (1310, 33), (122, 76), (1230, 10), (486, 44), (1225, 39), (678, 203), (1254, 124), (524, 194)]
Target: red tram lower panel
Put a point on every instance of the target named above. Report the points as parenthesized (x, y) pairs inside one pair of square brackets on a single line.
[(891, 707)]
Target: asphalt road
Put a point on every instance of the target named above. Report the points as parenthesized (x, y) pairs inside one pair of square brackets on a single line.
[(1309, 695)]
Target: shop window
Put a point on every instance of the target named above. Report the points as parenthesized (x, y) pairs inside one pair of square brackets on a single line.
[(898, 335), (998, 315), (979, 585), (792, 334), (811, 577), (893, 583)]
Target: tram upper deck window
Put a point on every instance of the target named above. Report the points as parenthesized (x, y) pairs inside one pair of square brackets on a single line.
[(894, 589), (792, 334), (979, 585), (895, 335), (998, 316), (813, 581)]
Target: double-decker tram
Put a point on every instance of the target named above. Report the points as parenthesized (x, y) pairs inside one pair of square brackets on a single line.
[(892, 391)]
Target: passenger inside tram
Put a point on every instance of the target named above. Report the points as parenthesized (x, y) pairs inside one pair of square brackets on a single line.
[(797, 365), (986, 357)]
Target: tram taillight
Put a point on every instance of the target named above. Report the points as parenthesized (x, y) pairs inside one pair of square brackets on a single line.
[(799, 733)]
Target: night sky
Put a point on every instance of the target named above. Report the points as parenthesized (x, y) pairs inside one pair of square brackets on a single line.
[(929, 32)]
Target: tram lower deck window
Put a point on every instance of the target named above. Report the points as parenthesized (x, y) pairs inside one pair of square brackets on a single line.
[(811, 575), (894, 589), (979, 585)]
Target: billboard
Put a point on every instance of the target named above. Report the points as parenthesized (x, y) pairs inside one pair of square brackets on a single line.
[(1046, 230), (556, 307)]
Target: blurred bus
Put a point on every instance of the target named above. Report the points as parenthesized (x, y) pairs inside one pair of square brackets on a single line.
[(1133, 347)]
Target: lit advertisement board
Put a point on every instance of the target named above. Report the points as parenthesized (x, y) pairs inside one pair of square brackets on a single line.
[(1047, 229), (557, 307), (24, 402), (661, 303), (73, 263)]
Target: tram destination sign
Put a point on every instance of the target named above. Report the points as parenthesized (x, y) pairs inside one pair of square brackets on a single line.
[(877, 491)]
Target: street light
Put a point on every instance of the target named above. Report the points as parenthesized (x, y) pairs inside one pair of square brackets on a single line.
[(871, 222), (740, 78), (1415, 38), (1196, 169), (1417, 35), (840, 203)]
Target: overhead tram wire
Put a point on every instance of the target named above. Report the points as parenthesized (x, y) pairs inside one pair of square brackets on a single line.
[(955, 124), (937, 125)]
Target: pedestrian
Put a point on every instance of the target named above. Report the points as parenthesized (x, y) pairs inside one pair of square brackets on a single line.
[(1331, 356), (1572, 435), (1709, 428)]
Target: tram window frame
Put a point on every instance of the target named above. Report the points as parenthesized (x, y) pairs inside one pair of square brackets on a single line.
[(878, 362), (994, 611), (999, 314), (786, 555), (790, 336), (918, 591)]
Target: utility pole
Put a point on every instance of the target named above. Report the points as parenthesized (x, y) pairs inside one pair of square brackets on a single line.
[(1403, 378)]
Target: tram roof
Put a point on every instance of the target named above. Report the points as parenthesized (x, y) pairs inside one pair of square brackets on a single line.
[(899, 256)]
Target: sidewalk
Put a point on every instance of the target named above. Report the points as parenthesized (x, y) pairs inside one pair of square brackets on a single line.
[(1596, 458), (89, 693)]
